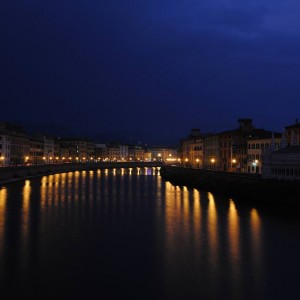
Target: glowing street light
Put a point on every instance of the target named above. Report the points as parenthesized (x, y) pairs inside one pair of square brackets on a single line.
[(2, 160), (213, 163)]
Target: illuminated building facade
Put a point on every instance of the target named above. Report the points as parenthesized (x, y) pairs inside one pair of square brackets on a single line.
[(282, 164), (257, 146), (192, 150), (36, 155), (136, 153), (167, 154), (212, 152), (293, 134), (5, 141)]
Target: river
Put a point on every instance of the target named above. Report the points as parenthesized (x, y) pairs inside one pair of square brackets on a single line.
[(127, 234)]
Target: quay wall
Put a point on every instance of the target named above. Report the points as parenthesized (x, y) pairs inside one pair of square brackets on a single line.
[(245, 186), (22, 172)]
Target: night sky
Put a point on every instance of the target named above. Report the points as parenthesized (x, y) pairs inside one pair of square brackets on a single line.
[(152, 68)]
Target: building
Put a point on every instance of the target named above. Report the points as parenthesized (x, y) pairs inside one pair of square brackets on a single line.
[(192, 150), (78, 148), (292, 133), (257, 146), (19, 148), (212, 152), (136, 153), (227, 162), (48, 149), (100, 151), (163, 153), (147, 155), (123, 152), (233, 146), (282, 164), (5, 141), (36, 154)]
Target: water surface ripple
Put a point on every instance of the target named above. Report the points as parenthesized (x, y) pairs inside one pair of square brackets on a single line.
[(125, 233)]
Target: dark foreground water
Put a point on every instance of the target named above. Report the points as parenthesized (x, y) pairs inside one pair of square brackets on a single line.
[(126, 234)]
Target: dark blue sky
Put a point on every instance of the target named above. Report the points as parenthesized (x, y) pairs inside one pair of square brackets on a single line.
[(156, 67)]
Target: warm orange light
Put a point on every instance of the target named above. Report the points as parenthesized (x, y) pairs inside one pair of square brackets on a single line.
[(234, 161), (212, 160), (186, 159), (197, 160)]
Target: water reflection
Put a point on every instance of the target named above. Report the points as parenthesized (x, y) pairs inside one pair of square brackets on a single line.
[(3, 199), (234, 245), (127, 226)]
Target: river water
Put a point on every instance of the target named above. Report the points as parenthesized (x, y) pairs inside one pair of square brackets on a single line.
[(127, 234)]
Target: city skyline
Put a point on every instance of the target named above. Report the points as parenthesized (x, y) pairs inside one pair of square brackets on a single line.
[(159, 68)]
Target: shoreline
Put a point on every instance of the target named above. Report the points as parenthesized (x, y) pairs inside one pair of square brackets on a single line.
[(240, 186)]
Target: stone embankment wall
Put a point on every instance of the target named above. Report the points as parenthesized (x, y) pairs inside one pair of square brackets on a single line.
[(239, 185), (10, 173)]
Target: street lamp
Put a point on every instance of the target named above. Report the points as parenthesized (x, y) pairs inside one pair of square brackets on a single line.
[(2, 160), (197, 160), (233, 162), (186, 161), (213, 163)]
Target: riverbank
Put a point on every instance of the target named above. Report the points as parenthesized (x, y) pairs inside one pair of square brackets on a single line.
[(12, 174), (250, 187)]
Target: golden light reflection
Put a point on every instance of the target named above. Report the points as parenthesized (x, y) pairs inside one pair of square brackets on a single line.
[(56, 193), (212, 229), (255, 222), (43, 191), (255, 226), (26, 208), (233, 231), (197, 216), (172, 218), (3, 199), (234, 242), (130, 171)]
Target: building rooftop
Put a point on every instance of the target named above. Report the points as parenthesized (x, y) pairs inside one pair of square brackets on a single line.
[(289, 149), (296, 125)]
